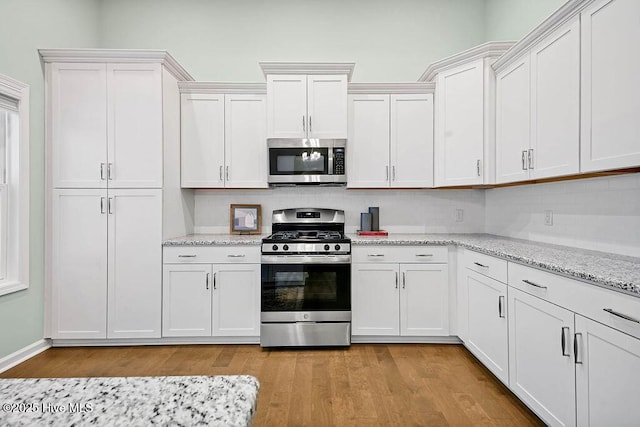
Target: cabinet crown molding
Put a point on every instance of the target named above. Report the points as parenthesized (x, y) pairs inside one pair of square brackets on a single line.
[(117, 55), (391, 88), (485, 50), (223, 87), (308, 68), (12, 87), (563, 14)]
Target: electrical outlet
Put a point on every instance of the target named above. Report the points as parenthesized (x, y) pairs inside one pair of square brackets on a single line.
[(548, 217), (459, 215)]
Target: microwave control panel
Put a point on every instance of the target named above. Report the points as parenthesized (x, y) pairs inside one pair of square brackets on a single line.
[(338, 161)]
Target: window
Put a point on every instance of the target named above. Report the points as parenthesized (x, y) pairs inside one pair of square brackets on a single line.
[(14, 185)]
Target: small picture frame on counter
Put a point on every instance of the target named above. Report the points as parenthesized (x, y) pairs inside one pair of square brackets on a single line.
[(245, 219)]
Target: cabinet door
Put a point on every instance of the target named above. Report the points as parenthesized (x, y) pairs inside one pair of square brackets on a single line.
[(374, 299), (134, 126), (424, 300), (135, 262), (78, 123), (541, 370), (327, 106), (608, 376), (286, 106), (202, 140), (236, 300), (245, 141), (459, 128), (610, 97), (79, 264), (368, 146), (186, 300), (487, 318), (555, 103), (412, 140), (513, 122)]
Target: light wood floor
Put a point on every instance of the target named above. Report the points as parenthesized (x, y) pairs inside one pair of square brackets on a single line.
[(416, 384)]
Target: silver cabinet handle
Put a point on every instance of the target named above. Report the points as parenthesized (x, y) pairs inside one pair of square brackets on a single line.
[(404, 280), (530, 158), (534, 284), (524, 160), (575, 348), (501, 306), (227, 173), (236, 256), (387, 173), (109, 169), (102, 205), (207, 281), (393, 169), (622, 316), (102, 171), (478, 167), (396, 280), (564, 334), (187, 256), (110, 205), (424, 255), (481, 265), (221, 173), (375, 255), (304, 128), (214, 281), (310, 125)]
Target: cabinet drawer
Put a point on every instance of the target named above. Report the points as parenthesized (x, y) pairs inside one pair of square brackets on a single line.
[(583, 298), (495, 268), (212, 254), (400, 254)]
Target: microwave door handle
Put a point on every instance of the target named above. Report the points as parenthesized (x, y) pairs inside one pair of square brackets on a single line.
[(330, 161)]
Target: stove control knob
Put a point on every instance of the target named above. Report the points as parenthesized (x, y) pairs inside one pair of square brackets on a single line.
[(337, 247), (326, 247), (274, 247), (285, 247)]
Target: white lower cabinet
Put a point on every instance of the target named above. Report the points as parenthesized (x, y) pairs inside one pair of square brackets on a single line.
[(607, 375), (391, 299), (541, 365), (487, 323), (106, 250), (204, 299)]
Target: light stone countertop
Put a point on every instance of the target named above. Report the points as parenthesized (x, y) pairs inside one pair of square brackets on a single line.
[(618, 272), (225, 400)]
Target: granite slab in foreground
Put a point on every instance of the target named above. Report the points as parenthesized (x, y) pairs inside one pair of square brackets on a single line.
[(225, 400)]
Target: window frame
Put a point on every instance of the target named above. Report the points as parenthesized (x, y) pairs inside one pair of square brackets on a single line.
[(17, 226)]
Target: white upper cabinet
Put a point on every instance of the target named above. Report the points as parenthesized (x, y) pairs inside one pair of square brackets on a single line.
[(202, 140), (610, 98), (368, 141), (106, 125), (459, 138), (77, 121), (411, 140), (555, 103), (134, 125), (513, 122), (313, 106), (223, 135)]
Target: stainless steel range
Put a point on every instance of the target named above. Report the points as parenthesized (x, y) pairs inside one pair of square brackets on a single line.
[(306, 280)]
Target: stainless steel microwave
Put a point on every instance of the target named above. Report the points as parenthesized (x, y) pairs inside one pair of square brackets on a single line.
[(307, 161)]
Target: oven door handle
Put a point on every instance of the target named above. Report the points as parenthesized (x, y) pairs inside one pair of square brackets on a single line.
[(306, 259)]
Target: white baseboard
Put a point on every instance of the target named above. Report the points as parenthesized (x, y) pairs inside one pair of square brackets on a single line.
[(375, 339), (23, 354), (153, 341)]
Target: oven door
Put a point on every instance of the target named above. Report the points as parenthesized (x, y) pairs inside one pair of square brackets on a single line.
[(306, 291)]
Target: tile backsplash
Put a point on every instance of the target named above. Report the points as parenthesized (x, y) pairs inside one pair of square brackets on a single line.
[(598, 213), (401, 211)]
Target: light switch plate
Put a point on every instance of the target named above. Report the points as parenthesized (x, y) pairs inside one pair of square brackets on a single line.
[(548, 217), (459, 215)]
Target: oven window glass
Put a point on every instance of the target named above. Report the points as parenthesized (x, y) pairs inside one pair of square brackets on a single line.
[(295, 287), (299, 161)]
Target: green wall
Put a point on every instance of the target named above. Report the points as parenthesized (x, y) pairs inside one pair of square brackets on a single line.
[(512, 19), (27, 25)]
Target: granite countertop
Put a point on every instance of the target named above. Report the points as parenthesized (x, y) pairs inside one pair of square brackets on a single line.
[(181, 400), (216, 239)]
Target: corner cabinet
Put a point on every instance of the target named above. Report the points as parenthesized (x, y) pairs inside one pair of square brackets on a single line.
[(399, 292), (211, 292), (109, 121), (464, 121), (307, 100), (390, 141), (223, 136)]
